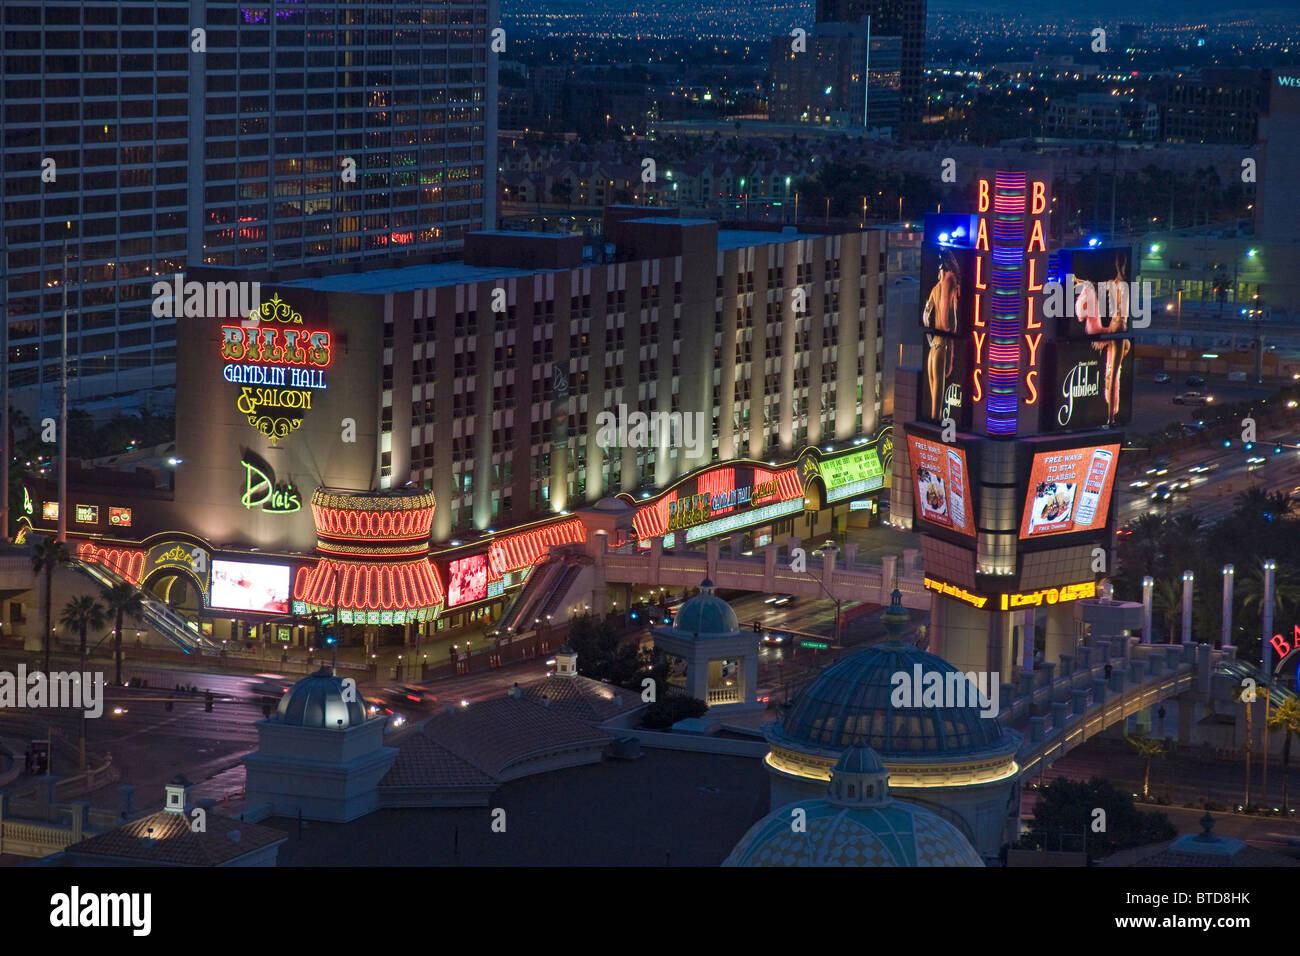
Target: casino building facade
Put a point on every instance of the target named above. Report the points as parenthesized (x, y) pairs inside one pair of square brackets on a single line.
[(384, 447)]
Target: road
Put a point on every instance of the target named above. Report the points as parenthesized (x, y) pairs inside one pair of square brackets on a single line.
[(1213, 494), (150, 744)]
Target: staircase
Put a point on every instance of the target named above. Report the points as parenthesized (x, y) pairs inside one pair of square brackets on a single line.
[(184, 634)]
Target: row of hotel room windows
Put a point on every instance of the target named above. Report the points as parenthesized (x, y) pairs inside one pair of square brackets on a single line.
[(460, 507)]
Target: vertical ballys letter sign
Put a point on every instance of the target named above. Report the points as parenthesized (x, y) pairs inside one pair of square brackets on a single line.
[(278, 370)]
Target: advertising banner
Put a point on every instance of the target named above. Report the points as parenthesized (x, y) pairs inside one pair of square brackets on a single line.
[(1089, 385), (1069, 491), (942, 484), (244, 586), (468, 577), (947, 305)]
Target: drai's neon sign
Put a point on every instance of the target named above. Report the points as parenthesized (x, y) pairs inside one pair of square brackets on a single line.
[(262, 493)]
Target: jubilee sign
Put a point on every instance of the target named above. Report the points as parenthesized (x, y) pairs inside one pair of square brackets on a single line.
[(278, 365)]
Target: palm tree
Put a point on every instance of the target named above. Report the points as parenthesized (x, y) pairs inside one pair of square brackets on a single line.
[(1147, 748), (1287, 718), (48, 554), (121, 600), (1286, 590), (1168, 596), (1245, 694), (81, 614)]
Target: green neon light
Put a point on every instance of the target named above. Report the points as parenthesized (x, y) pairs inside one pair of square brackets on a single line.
[(265, 495), (27, 501)]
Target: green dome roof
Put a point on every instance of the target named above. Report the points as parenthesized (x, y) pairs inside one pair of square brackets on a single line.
[(317, 701), (706, 613), (850, 704), (896, 834)]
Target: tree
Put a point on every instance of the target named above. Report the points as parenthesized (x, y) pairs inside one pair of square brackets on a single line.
[(1147, 748), (1287, 718), (121, 600), (666, 712), (1245, 694), (81, 614), (1068, 807), (603, 654), (1168, 596), (48, 554)]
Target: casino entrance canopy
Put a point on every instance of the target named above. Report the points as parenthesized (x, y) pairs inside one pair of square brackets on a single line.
[(374, 566)]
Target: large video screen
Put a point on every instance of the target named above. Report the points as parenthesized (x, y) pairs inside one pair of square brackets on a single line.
[(468, 580), (941, 481), (1094, 296), (242, 586), (947, 306), (1069, 491), (1088, 385)]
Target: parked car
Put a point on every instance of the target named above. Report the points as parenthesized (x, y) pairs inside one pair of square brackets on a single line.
[(1193, 398), (1194, 381), (1163, 377)]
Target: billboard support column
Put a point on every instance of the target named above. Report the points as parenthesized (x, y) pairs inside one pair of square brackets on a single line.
[(1225, 640), (1270, 570), (1188, 579), (1148, 583)]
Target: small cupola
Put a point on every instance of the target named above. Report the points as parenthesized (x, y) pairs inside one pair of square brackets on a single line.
[(566, 662), (178, 795)]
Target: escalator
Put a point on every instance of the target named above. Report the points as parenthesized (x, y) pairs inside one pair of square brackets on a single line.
[(544, 593), (182, 633)]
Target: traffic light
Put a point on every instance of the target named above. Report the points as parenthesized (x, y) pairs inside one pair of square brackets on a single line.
[(207, 702), (758, 628)]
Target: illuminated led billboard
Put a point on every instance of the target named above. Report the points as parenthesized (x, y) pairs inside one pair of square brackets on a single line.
[(1088, 385), (1069, 491), (243, 586), (942, 486), (468, 580), (947, 315)]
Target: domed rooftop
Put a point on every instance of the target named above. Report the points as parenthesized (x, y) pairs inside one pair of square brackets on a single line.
[(850, 703), (317, 701), (706, 613), (857, 824)]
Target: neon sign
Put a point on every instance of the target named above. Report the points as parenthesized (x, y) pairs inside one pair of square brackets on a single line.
[(261, 492), (953, 591), (689, 511), (27, 502), (284, 366), (1070, 592), (518, 551), (1009, 274)]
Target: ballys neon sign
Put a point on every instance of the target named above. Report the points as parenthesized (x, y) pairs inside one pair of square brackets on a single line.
[(262, 493)]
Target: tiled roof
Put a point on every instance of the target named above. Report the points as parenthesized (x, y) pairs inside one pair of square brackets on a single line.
[(1162, 854), (581, 697), (422, 763), (176, 844), (494, 734)]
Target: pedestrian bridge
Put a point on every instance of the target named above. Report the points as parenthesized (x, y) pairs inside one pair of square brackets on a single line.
[(1059, 706), (835, 575)]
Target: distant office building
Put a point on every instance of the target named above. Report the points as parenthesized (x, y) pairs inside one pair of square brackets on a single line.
[(845, 79), (901, 18), (1277, 193), (1218, 106), (1100, 116), (150, 158)]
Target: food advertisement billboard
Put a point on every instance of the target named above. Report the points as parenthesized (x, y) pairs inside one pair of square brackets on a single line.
[(1069, 491), (941, 480)]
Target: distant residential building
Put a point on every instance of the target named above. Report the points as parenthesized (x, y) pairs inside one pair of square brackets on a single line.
[(1100, 116), (1218, 106)]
